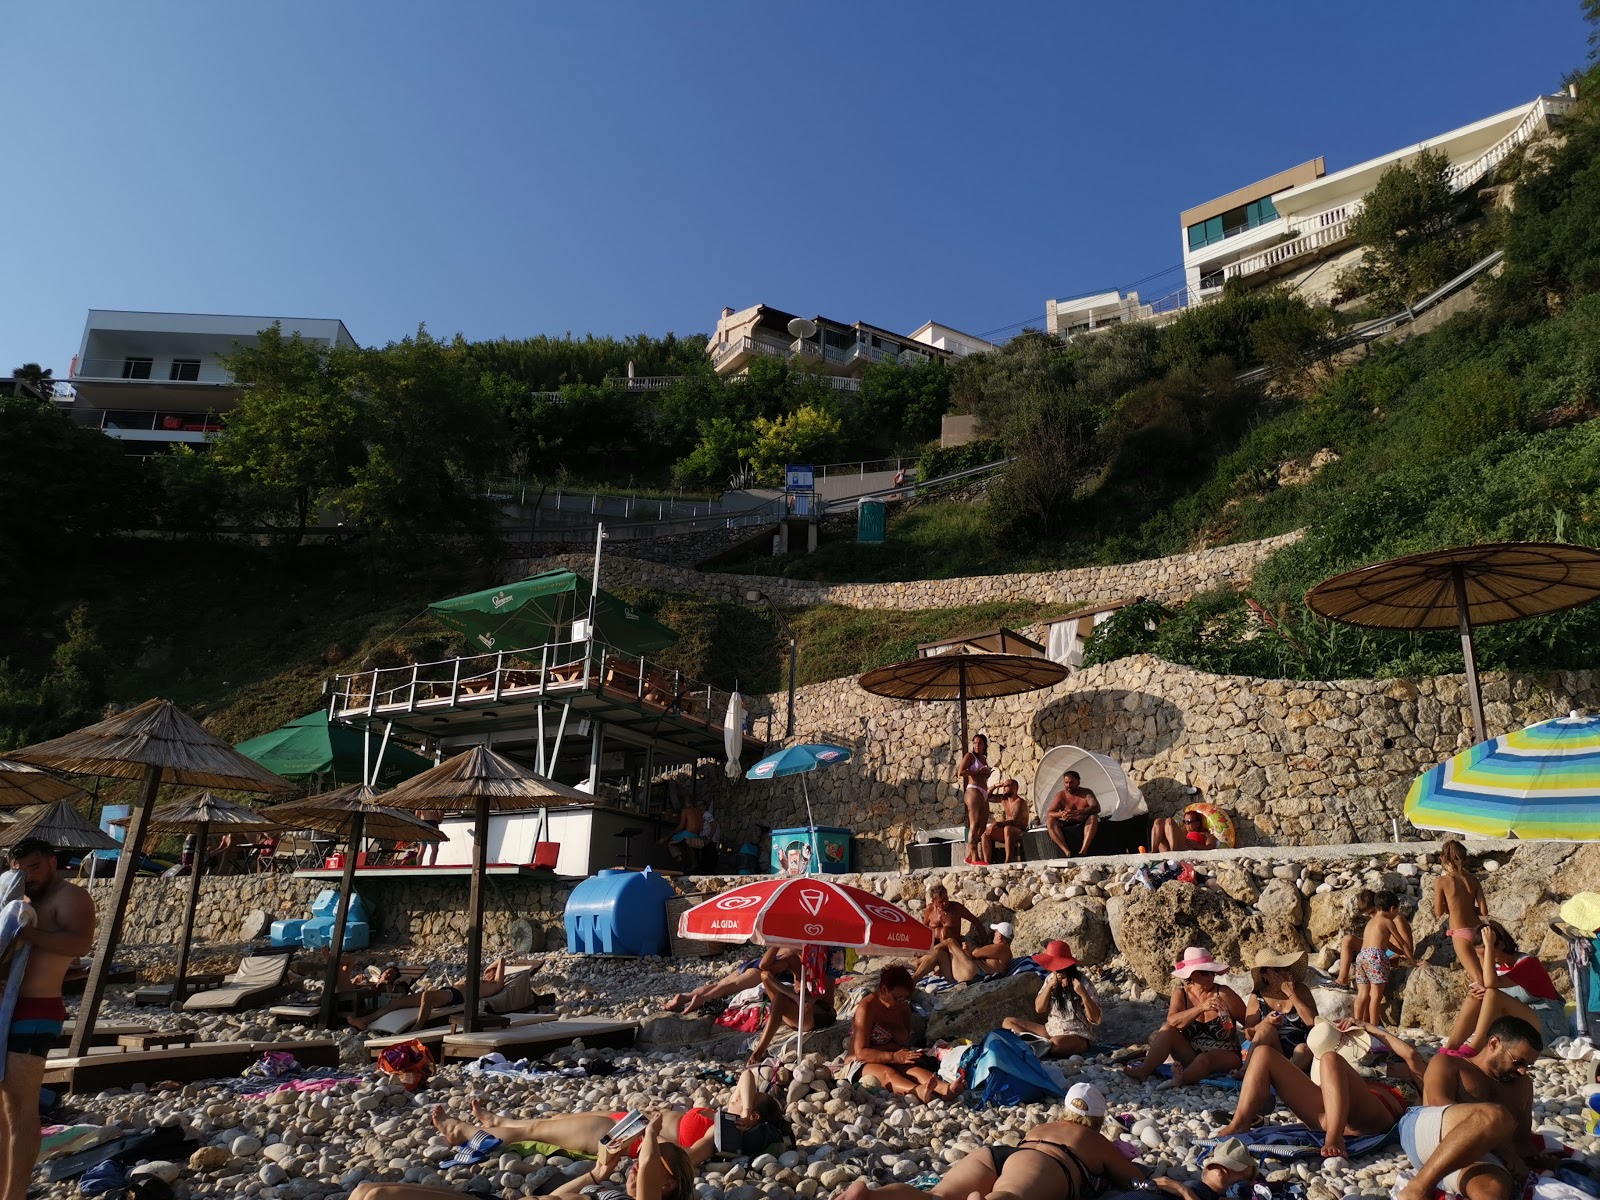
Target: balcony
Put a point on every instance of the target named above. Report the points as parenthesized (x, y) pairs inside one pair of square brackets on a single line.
[(115, 383), (137, 425)]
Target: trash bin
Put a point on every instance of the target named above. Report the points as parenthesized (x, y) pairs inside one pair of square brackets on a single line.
[(871, 522)]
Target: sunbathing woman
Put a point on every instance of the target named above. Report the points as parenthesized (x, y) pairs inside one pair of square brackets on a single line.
[(760, 1119), (1201, 1034), (1280, 1011), (784, 1007), (663, 1172), (742, 978), (1334, 1097), (1517, 985), (428, 1001), (1458, 895), (1069, 1159)]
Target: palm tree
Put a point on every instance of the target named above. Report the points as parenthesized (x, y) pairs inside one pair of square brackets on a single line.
[(36, 379)]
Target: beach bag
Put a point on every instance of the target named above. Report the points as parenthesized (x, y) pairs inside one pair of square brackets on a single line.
[(743, 1020), (1005, 1071), (410, 1064)]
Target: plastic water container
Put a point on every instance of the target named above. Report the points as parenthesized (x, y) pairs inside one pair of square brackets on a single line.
[(287, 933), (318, 932), (619, 912), (824, 850)]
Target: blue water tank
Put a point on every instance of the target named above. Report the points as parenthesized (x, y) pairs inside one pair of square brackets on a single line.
[(318, 932), (619, 912)]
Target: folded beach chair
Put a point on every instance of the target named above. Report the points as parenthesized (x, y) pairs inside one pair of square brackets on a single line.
[(260, 978)]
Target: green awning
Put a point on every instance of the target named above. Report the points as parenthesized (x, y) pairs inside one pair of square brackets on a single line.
[(541, 609), (311, 746)]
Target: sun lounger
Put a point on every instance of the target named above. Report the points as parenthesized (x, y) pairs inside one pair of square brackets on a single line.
[(105, 1033), (514, 997), (259, 979), (161, 993), (78, 978), (110, 1066), (433, 1037), (525, 1040)]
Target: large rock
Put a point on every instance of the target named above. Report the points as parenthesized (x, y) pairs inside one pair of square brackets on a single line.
[(1130, 1023), (1152, 928), (1527, 892), (1281, 904), (671, 1030), (1081, 922), (1237, 883), (1331, 915), (978, 1008), (1430, 997)]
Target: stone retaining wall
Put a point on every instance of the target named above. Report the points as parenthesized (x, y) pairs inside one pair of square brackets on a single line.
[(1173, 578), (1296, 763), (429, 914)]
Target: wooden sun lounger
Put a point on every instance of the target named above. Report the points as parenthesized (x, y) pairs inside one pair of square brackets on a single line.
[(76, 981), (161, 993), (260, 979), (526, 1040), (433, 1037), (110, 1067), (106, 1033)]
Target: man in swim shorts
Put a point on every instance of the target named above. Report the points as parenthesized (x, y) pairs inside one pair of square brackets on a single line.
[(1073, 807), (1474, 1134), (63, 930)]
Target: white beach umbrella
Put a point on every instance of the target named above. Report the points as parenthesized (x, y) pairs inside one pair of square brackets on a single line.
[(733, 735)]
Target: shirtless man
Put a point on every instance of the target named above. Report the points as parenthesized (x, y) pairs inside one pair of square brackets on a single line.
[(1073, 805), (689, 835), (63, 931), (1474, 1137), (880, 1040), (953, 960), (1013, 822)]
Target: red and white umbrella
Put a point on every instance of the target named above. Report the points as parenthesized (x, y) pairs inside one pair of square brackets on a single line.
[(806, 912)]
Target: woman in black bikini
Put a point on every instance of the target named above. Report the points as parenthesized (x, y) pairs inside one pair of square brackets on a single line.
[(430, 1000), (1280, 1011), (1067, 1159), (1335, 1097), (1201, 1034)]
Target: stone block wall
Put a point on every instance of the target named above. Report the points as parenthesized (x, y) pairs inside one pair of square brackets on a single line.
[(1297, 763), (1174, 578)]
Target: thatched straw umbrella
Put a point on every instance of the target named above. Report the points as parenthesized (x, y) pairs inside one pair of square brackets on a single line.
[(22, 785), (479, 781), (197, 814), (351, 813), (153, 742), (60, 824)]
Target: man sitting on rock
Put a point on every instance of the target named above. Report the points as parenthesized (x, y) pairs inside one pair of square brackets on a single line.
[(1073, 807), (742, 978), (880, 1040), (954, 961), (1474, 1137), (1013, 822)]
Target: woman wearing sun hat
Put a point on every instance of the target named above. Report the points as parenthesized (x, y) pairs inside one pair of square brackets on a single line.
[(1280, 1011), (1067, 1002), (1201, 1034), (1065, 1159)]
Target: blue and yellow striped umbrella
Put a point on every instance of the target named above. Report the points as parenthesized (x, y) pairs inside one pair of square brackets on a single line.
[(1540, 784)]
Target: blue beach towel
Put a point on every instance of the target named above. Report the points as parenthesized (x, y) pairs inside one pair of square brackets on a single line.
[(1003, 1070), (1288, 1142)]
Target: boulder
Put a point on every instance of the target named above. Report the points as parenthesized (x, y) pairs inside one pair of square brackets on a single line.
[(1238, 884), (978, 1008), (1130, 1023), (1334, 1003), (1081, 922), (1430, 997), (1281, 904), (256, 924), (1332, 914), (1152, 928), (671, 1030)]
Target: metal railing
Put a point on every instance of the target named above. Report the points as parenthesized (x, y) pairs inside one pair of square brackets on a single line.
[(555, 668), (158, 364)]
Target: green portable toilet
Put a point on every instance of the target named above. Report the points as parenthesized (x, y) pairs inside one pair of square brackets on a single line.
[(870, 520)]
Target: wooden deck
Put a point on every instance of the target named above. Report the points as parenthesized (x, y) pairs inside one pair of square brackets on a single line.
[(110, 1066), (528, 1040)]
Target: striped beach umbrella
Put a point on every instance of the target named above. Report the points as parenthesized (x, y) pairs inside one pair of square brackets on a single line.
[(1540, 784)]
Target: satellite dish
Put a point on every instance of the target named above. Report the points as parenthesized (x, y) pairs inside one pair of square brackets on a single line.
[(802, 327)]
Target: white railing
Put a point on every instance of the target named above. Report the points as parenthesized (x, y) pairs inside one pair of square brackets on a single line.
[(1537, 118)]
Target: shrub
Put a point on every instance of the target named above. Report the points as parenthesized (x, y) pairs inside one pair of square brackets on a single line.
[(947, 460)]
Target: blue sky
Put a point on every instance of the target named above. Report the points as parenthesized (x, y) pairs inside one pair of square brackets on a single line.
[(503, 168)]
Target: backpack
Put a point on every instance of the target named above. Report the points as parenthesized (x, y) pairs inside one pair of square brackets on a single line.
[(1003, 1070)]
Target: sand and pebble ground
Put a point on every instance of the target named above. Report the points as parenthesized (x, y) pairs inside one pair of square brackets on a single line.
[(309, 1146)]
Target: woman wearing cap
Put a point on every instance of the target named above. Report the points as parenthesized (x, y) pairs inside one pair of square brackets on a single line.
[(953, 960), (1335, 1097), (1280, 1011), (1222, 1174), (1068, 1159), (1067, 1002), (1201, 1034)]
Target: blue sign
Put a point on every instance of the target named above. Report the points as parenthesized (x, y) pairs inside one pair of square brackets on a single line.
[(799, 477)]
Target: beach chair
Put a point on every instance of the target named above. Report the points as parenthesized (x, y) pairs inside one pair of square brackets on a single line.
[(260, 978), (514, 997)]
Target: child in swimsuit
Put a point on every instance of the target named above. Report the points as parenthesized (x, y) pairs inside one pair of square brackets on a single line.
[(1386, 936), (1459, 895)]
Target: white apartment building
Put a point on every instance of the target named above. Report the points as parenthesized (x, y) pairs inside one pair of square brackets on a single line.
[(837, 351), (1295, 226), (952, 341), (1088, 314), (155, 380)]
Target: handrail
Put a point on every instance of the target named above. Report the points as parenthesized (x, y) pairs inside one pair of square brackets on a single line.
[(908, 490)]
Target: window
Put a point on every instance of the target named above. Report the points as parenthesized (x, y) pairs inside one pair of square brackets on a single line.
[(1234, 221), (185, 370), (136, 368)]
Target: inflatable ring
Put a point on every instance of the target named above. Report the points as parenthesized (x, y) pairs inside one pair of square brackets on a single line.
[(1218, 824)]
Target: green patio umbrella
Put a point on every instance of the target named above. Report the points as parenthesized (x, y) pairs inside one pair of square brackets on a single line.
[(312, 746), (541, 609)]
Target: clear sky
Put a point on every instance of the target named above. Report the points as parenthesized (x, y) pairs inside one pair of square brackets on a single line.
[(509, 168)]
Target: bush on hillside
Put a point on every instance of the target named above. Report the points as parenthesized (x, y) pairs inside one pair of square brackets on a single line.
[(1415, 233), (937, 461)]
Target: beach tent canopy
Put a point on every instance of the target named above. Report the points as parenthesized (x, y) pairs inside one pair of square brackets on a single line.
[(311, 745), (541, 609)]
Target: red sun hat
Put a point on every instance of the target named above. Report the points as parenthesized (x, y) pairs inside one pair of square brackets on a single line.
[(1056, 956)]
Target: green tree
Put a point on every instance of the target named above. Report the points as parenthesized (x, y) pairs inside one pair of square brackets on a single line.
[(294, 438), (38, 379), (1412, 225), (716, 458), (809, 434)]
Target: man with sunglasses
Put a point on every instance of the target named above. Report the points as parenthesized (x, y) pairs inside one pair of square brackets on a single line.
[(1474, 1136)]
